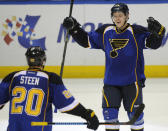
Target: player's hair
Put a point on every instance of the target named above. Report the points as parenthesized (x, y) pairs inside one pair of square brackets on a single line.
[(120, 7), (35, 56)]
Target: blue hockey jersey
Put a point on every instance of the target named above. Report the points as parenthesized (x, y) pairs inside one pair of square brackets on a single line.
[(123, 53), (31, 95)]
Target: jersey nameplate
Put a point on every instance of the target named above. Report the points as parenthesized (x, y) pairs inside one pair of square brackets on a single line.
[(29, 80)]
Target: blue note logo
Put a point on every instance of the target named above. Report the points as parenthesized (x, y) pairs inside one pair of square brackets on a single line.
[(23, 31)]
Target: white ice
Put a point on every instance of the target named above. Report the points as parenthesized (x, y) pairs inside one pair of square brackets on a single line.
[(89, 93)]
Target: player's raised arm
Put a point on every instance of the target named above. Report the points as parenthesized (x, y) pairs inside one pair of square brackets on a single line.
[(79, 35)]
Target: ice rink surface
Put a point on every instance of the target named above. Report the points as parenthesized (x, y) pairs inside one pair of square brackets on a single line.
[(89, 93)]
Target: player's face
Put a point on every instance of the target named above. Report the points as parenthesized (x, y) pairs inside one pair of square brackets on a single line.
[(119, 19)]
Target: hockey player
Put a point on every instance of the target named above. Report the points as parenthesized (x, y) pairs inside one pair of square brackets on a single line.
[(32, 92), (123, 45)]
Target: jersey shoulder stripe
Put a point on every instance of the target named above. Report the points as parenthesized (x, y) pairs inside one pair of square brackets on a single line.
[(108, 29), (103, 27)]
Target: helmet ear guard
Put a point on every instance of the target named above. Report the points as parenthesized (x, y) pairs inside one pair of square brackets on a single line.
[(35, 56)]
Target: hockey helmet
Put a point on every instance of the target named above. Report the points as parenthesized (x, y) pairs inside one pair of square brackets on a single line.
[(35, 56), (120, 7)]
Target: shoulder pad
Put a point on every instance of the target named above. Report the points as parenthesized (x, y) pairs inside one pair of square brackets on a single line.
[(139, 29), (103, 27), (54, 78), (9, 77)]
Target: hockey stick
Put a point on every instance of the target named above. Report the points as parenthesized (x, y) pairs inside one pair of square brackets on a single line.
[(130, 122), (66, 41)]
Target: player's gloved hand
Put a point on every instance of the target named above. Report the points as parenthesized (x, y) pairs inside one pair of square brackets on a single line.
[(154, 26), (70, 23), (91, 119)]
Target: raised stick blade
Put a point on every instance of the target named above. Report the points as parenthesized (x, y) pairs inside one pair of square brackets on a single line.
[(137, 114)]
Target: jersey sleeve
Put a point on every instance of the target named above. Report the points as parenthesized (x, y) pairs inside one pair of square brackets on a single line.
[(63, 99), (5, 88), (141, 34), (96, 38), (61, 96)]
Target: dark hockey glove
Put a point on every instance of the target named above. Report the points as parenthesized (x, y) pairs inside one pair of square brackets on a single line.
[(91, 119), (70, 23), (155, 27)]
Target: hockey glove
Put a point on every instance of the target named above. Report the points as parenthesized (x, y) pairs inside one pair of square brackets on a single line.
[(92, 120), (155, 27), (70, 23)]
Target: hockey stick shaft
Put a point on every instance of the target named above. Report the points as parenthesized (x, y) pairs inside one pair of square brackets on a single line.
[(66, 41), (74, 123), (71, 7), (131, 122)]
